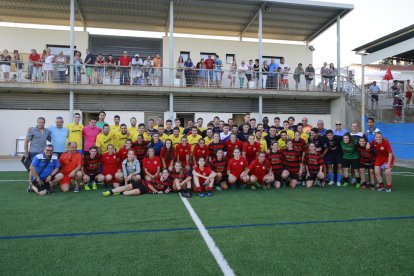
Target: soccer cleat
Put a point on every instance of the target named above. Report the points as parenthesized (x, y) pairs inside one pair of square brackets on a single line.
[(106, 193), (76, 190), (346, 184), (189, 194), (338, 184), (209, 194), (253, 187), (380, 188), (218, 188), (201, 195), (29, 189), (94, 187), (330, 183), (86, 187), (388, 190), (363, 186), (357, 185), (353, 180)]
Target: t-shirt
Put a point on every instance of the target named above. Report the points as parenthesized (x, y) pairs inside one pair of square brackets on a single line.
[(314, 162), (58, 138), (40, 161), (75, 134), (193, 140), (349, 151), (276, 161), (119, 139), (209, 63), (102, 141), (152, 164), (35, 59), (124, 61), (160, 185), (206, 171), (236, 167), (167, 155), (251, 151), (181, 153), (37, 139), (140, 149), (291, 160), (91, 166), (230, 147), (219, 166), (130, 167), (199, 152), (214, 147), (175, 140), (259, 169), (109, 163), (69, 162), (382, 150), (89, 135)]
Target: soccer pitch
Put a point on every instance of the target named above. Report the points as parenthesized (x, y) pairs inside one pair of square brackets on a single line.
[(336, 230)]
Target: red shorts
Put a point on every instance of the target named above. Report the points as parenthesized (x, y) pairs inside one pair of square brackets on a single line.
[(259, 178), (397, 112), (408, 95), (66, 180), (380, 161)]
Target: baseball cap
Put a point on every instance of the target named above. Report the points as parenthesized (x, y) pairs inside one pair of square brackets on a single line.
[(136, 55)]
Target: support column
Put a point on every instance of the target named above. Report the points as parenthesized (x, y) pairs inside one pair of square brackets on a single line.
[(171, 43), (338, 54), (171, 106), (260, 34), (362, 98), (71, 105), (72, 39), (260, 108)]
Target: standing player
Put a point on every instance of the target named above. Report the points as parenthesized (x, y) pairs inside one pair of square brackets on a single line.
[(225, 135), (251, 149), (175, 137), (384, 161), (167, 155), (75, 131), (350, 159), (143, 133), (301, 146), (261, 174), (90, 133), (366, 161), (119, 137), (193, 137), (275, 158), (219, 166), (214, 146), (156, 144), (140, 148), (200, 151), (101, 121), (291, 164), (236, 170), (151, 165), (91, 169), (181, 180), (314, 167), (104, 139), (232, 144), (203, 178), (109, 161), (333, 157), (161, 184)]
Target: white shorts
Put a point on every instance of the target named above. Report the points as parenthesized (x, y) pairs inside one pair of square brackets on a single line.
[(5, 68)]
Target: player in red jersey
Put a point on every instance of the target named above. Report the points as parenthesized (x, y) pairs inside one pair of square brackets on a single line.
[(260, 172), (366, 160), (91, 169), (152, 165), (200, 151), (300, 145), (236, 169), (291, 164), (109, 161), (313, 163), (161, 184), (167, 155), (183, 152), (215, 145), (251, 149), (231, 144), (384, 161), (181, 180), (122, 155), (275, 157), (140, 148), (219, 166), (203, 178)]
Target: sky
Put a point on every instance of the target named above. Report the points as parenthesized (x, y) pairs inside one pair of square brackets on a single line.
[(370, 20)]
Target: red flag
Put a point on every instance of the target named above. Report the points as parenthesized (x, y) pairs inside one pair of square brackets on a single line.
[(388, 75)]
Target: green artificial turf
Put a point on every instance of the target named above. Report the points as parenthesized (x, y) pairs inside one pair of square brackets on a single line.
[(363, 247)]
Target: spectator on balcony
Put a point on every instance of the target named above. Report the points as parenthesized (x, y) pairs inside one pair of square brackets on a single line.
[(100, 68), (325, 76), (233, 73), (309, 75), (408, 94), (89, 59), (249, 73), (397, 105), (148, 69), (136, 73), (350, 83), (61, 62), (209, 64), (242, 73), (374, 90), (265, 72), (77, 62), (200, 73), (332, 74), (296, 75), (36, 61), (284, 80), (283, 64), (180, 70), (189, 72), (395, 88), (217, 76), (48, 65), (6, 65), (111, 67), (256, 68), (272, 77), (157, 70), (124, 64), (19, 65)]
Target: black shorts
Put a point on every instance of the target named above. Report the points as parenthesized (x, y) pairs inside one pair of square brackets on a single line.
[(347, 163), (39, 187), (374, 97), (312, 176), (92, 176), (367, 166), (333, 159), (140, 186), (294, 176)]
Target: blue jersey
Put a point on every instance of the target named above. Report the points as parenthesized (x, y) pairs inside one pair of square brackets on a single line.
[(40, 161)]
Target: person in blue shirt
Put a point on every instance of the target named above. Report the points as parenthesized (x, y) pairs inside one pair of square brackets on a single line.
[(371, 130), (271, 77), (339, 131), (59, 136), (45, 172), (218, 64)]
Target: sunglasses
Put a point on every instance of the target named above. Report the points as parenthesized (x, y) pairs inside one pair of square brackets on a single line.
[(338, 124)]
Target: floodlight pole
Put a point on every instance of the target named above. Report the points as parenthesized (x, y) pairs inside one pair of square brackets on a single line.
[(338, 53), (72, 47), (260, 34), (171, 41)]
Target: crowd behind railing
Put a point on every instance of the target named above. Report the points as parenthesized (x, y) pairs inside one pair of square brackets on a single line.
[(147, 71)]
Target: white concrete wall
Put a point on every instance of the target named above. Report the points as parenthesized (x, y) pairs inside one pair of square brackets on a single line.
[(24, 39)]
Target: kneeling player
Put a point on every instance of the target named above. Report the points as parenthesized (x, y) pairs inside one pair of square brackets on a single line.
[(181, 180), (203, 178), (91, 168), (152, 165), (291, 164), (109, 161), (275, 158), (260, 172), (314, 167), (236, 170), (131, 169), (219, 166), (71, 168), (161, 183)]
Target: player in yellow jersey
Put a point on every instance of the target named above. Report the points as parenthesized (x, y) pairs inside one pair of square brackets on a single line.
[(119, 138), (175, 137), (104, 139), (75, 131), (116, 127)]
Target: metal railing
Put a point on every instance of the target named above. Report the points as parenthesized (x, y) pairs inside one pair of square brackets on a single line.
[(147, 75)]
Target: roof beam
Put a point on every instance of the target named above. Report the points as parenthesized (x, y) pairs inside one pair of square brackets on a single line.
[(388, 52), (79, 10), (326, 25), (252, 19)]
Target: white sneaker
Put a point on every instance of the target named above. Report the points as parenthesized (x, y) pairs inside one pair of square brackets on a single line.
[(330, 183), (388, 190), (338, 184), (218, 188)]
